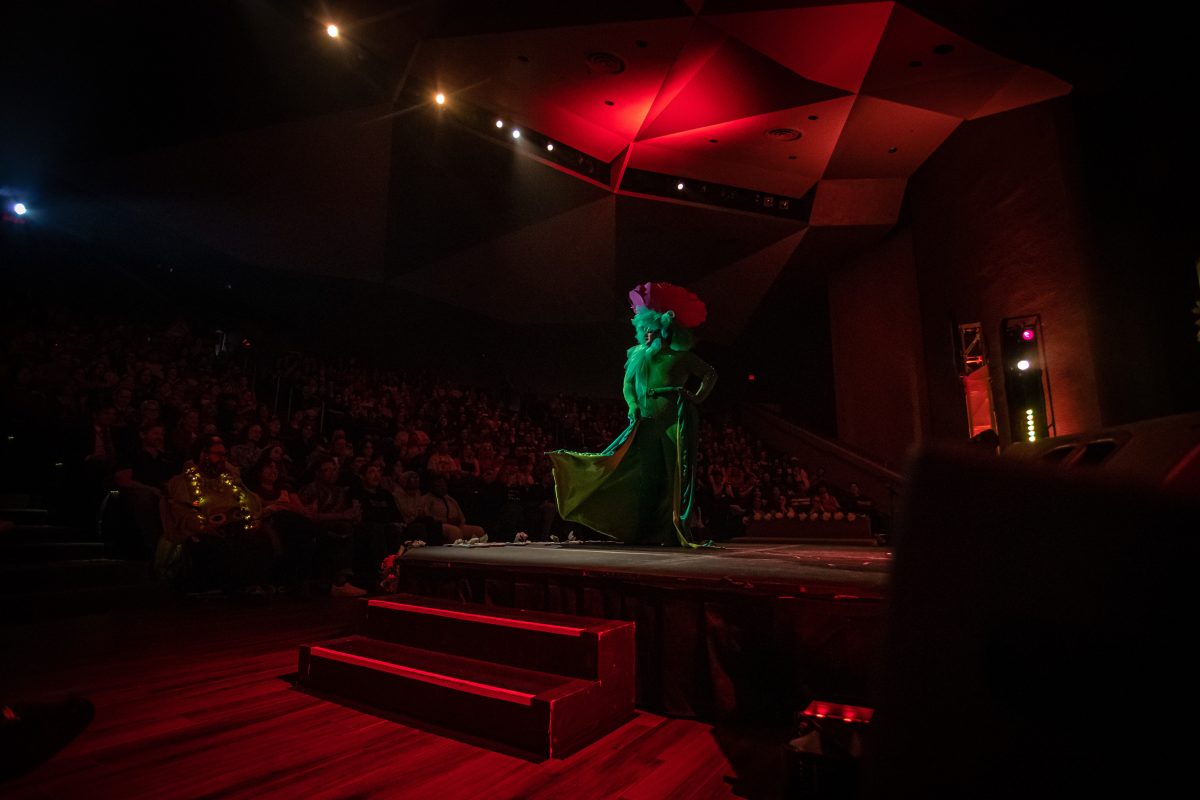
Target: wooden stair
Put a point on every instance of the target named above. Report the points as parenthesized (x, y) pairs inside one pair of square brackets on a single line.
[(543, 684)]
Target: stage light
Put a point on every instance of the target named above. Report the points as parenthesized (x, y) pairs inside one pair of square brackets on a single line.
[(1023, 364), (440, 99), (1028, 334), (1030, 425), (499, 123), (679, 186), (332, 30), (19, 209), (516, 134), (549, 145)]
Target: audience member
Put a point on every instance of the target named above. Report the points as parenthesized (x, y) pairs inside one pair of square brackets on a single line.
[(211, 534), (335, 516), (443, 508)]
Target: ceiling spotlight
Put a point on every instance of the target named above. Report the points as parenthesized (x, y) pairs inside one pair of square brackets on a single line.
[(1027, 334), (549, 145), (1023, 364), (333, 31), (679, 186), (499, 123), (440, 99), (19, 209), (516, 134)]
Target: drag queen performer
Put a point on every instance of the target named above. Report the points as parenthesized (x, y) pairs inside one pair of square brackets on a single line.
[(640, 488)]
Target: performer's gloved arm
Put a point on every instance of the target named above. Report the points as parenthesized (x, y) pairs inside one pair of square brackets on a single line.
[(630, 392), (707, 376)]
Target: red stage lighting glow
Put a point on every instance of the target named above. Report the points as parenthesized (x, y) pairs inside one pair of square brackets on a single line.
[(751, 377), (1027, 334), (823, 710)]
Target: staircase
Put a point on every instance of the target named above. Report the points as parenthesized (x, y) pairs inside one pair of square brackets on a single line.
[(541, 684)]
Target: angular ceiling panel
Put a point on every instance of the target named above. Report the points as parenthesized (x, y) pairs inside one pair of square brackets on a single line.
[(506, 277), (914, 50), (882, 139), (788, 181), (960, 96), (684, 243), (829, 44), (736, 81), (769, 96), (868, 201), (732, 294), (1026, 87), (792, 141)]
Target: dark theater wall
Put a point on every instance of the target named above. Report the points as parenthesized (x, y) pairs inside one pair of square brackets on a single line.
[(878, 361), (999, 230)]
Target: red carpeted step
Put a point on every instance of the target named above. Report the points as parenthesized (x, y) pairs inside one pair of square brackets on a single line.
[(580, 647), (537, 712)]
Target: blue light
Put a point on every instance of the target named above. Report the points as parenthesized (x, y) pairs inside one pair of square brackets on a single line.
[(19, 209)]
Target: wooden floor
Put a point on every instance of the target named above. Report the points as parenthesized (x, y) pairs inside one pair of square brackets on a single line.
[(197, 702)]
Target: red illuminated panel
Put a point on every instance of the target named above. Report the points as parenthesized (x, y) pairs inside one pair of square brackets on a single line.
[(736, 81), (830, 44), (749, 140)]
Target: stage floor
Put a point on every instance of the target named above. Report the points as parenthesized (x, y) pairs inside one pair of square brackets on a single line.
[(814, 570)]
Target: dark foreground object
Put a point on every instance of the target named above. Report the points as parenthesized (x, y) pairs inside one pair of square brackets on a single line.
[(1040, 644), (30, 733)]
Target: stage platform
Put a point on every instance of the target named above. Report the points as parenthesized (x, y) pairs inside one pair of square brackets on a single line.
[(740, 631)]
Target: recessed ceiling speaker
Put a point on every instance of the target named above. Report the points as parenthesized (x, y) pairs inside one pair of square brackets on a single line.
[(783, 134), (605, 63)]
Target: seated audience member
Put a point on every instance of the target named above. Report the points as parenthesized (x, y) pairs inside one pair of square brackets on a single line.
[(823, 502), (445, 509), (142, 477), (335, 517), (301, 445), (246, 454), (212, 536), (186, 432), (469, 463), (287, 523), (411, 502), (381, 523), (274, 451), (864, 506), (442, 464)]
